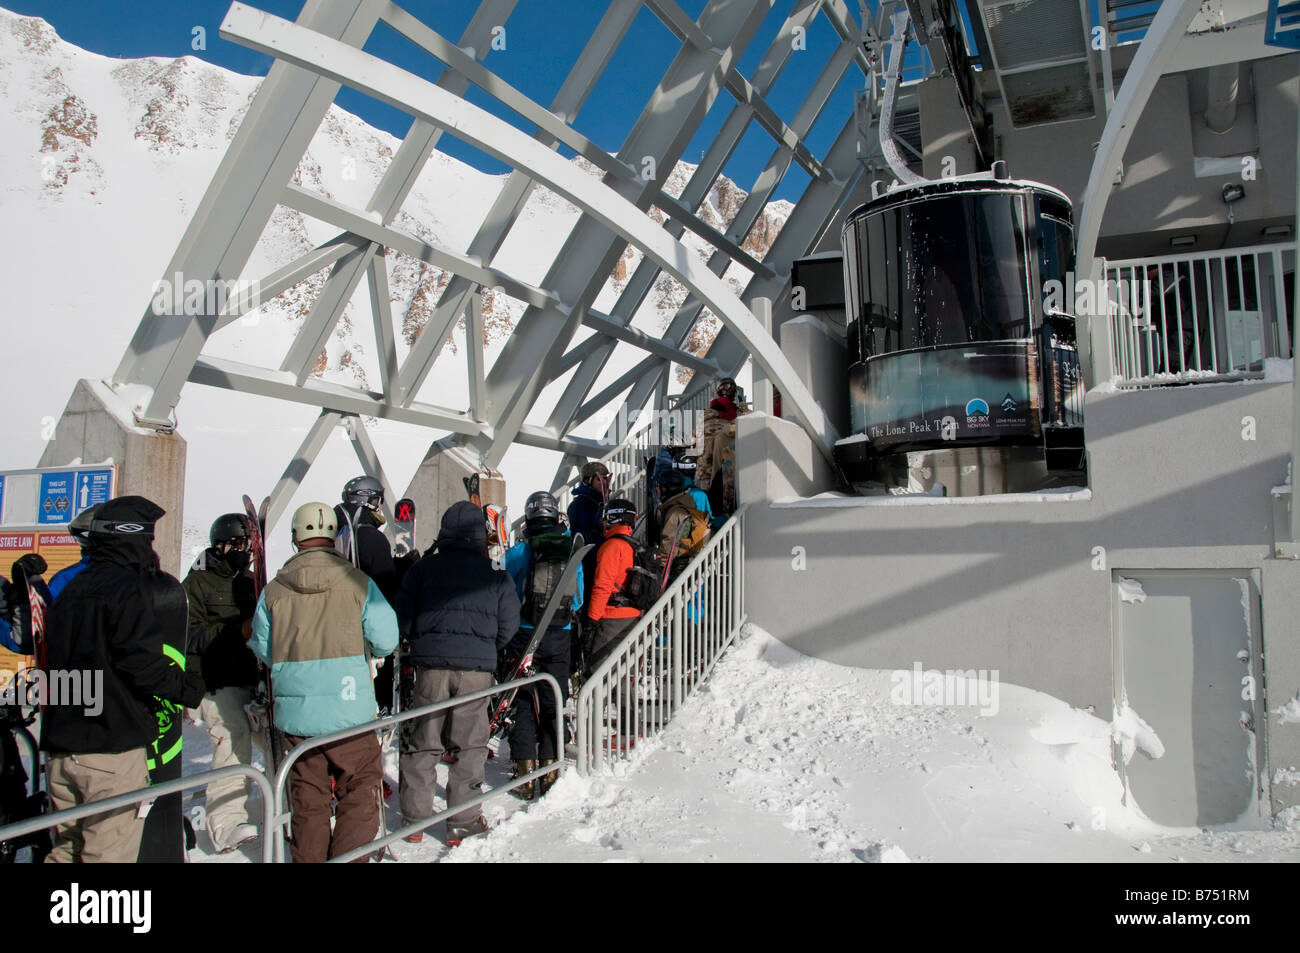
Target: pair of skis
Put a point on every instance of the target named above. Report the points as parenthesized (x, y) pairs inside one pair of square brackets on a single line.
[(565, 589), (257, 543)]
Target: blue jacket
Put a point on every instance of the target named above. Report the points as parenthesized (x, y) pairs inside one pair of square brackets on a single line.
[(517, 560), (584, 512), (67, 574), (317, 624)]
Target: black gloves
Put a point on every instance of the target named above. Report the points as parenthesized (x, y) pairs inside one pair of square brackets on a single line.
[(32, 564)]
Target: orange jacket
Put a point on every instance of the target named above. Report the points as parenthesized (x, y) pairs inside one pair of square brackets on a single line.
[(612, 563)]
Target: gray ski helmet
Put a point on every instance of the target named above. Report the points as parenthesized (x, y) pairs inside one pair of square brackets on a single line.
[(79, 528), (227, 527), (541, 511), (363, 491), (727, 382), (620, 511)]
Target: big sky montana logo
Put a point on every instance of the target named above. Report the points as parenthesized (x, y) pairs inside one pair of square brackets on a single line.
[(977, 413)]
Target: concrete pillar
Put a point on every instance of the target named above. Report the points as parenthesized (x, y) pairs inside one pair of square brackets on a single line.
[(439, 482), (98, 427), (819, 354)]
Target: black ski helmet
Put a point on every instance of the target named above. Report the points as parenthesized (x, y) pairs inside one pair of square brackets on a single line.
[(541, 512), (227, 527), (688, 466), (79, 528), (363, 491), (672, 483), (727, 382), (620, 511)]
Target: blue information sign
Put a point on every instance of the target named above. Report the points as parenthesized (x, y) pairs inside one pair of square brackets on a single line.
[(93, 486), (54, 505)]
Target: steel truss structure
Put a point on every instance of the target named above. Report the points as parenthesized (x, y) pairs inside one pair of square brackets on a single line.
[(322, 52)]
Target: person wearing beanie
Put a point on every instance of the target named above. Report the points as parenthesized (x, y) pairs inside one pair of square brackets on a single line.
[(456, 611), (317, 625), (112, 618)]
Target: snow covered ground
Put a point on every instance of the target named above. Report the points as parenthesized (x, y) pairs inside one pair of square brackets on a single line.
[(787, 758)]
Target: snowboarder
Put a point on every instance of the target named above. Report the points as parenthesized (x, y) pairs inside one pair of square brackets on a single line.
[(317, 624), (456, 612), (221, 594), (536, 563), (360, 510), (106, 621)]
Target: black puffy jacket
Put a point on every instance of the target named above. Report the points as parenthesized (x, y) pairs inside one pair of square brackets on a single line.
[(456, 610), (104, 621), (374, 553)]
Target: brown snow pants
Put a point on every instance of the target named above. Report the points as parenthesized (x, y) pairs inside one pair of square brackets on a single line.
[(357, 770)]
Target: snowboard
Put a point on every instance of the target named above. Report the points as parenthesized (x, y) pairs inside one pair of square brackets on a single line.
[(163, 841)]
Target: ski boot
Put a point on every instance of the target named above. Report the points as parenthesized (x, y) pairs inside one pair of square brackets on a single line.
[(545, 782), (525, 792), (458, 832)]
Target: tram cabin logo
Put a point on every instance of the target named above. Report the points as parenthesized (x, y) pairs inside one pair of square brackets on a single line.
[(977, 413)]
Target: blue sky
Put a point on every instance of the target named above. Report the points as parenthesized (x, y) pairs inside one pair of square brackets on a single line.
[(538, 55)]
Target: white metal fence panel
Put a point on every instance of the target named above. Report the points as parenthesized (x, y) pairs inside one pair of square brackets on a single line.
[(1183, 318), (666, 655)]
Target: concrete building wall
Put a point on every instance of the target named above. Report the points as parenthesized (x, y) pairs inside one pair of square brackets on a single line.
[(96, 427), (1025, 587), (1160, 190)]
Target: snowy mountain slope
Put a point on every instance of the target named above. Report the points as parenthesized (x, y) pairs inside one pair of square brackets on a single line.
[(105, 161), (788, 758)]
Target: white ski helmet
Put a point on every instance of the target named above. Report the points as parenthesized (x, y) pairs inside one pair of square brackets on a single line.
[(314, 521)]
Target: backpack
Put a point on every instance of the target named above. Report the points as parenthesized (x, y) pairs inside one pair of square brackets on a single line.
[(675, 511), (641, 586), (548, 554)]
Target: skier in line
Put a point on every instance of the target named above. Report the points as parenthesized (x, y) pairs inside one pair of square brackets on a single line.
[(220, 591), (317, 624), (609, 610), (536, 564), (717, 467), (585, 509), (685, 527), (362, 498), (105, 621), (456, 612)]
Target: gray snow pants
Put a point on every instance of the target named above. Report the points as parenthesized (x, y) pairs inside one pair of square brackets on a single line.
[(422, 750)]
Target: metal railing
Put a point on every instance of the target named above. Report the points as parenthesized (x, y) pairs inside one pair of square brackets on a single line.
[(662, 660), (1183, 318), (282, 819), (44, 821)]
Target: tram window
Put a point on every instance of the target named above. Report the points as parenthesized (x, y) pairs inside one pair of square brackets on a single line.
[(1055, 249)]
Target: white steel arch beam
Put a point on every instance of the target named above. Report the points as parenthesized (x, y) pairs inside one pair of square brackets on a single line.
[(475, 126), (237, 205), (582, 78), (1157, 49), (778, 53), (674, 111)]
